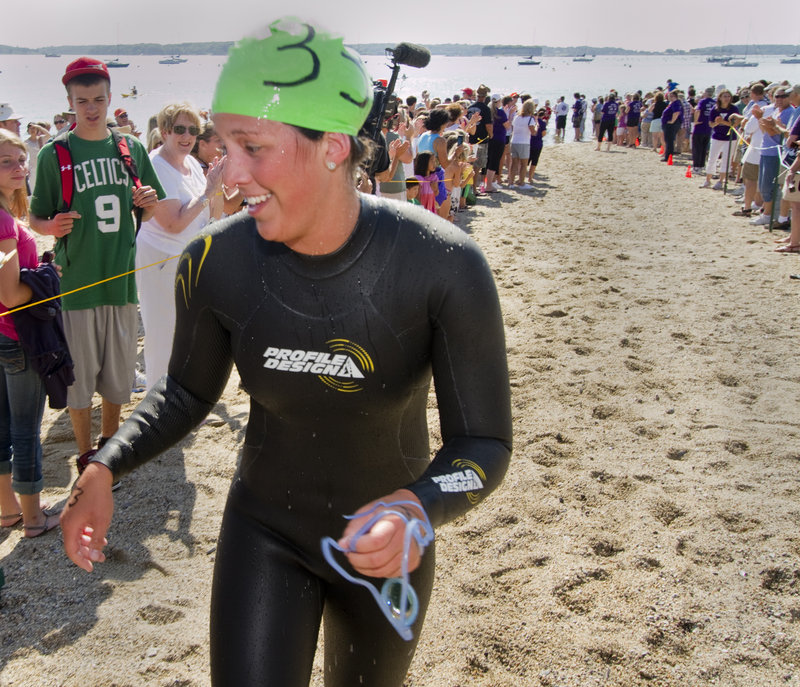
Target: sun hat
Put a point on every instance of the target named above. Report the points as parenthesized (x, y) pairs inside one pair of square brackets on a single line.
[(297, 74), (483, 90), (85, 65), (7, 113)]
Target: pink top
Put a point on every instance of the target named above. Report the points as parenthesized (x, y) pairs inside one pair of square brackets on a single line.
[(11, 228)]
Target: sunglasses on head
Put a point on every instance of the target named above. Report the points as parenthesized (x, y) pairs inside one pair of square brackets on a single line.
[(180, 129)]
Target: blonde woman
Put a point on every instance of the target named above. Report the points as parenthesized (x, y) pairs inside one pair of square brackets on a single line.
[(22, 392), (192, 200)]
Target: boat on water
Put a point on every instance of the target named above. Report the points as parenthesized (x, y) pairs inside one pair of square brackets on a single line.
[(794, 59), (52, 54), (738, 63), (719, 58), (174, 59), (528, 62), (116, 63), (583, 58)]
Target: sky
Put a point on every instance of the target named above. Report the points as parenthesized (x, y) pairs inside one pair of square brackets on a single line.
[(685, 24)]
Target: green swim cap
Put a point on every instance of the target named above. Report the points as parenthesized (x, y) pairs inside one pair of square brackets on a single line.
[(296, 75)]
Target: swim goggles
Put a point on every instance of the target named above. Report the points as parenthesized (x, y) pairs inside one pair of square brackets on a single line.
[(396, 598)]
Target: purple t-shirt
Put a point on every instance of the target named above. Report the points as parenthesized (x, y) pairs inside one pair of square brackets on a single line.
[(610, 110), (10, 228), (498, 130), (722, 132), (536, 140), (704, 108), (673, 107), (634, 110)]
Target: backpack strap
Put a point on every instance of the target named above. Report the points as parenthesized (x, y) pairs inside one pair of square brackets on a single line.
[(61, 146), (121, 144)]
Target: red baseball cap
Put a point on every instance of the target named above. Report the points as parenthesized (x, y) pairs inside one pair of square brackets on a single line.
[(119, 111), (468, 91), (85, 65)]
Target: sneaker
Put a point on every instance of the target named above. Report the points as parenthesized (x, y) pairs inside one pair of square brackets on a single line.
[(717, 186), (760, 221), (705, 184), (785, 226), (511, 185), (525, 187)]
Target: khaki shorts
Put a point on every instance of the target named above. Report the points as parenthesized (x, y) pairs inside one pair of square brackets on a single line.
[(102, 343), (749, 171)]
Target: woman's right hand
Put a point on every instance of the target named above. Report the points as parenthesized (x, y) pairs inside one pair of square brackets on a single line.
[(87, 516), (214, 177)]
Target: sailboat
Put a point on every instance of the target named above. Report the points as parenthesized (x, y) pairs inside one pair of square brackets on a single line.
[(116, 63)]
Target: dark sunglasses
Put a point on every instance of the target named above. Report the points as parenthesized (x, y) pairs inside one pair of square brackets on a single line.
[(180, 129), (781, 95), (59, 121)]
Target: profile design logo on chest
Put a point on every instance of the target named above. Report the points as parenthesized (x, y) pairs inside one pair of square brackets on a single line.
[(340, 368)]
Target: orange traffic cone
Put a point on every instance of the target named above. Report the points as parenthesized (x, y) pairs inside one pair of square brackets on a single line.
[(689, 172), (661, 150), (669, 160)]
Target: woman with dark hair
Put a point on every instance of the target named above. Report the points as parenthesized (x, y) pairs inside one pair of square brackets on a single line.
[(656, 130), (722, 120), (609, 112), (633, 118), (433, 142), (671, 120), (497, 143), (338, 309)]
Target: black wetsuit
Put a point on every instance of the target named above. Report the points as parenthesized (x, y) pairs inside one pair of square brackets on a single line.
[(336, 353)]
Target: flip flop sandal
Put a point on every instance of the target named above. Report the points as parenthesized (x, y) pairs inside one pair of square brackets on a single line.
[(43, 529), (788, 248), (4, 519)]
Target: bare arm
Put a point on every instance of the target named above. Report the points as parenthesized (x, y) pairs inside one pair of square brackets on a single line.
[(12, 291)]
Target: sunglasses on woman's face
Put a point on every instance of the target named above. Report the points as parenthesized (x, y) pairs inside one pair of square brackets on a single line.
[(180, 129)]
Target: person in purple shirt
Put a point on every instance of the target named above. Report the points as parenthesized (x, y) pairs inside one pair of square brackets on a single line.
[(701, 134), (607, 120), (497, 143), (722, 118), (671, 120), (537, 142), (633, 118)]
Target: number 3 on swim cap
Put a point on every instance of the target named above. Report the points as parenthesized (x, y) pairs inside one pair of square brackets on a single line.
[(297, 75)]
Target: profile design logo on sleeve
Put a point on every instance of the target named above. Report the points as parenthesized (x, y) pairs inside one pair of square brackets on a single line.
[(340, 368), (468, 480)]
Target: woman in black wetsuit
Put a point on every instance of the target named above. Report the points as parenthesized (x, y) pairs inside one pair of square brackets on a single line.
[(337, 309)]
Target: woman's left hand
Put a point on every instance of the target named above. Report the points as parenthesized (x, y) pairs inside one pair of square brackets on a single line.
[(379, 552)]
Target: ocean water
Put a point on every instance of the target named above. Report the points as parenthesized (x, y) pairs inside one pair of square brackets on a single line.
[(32, 83)]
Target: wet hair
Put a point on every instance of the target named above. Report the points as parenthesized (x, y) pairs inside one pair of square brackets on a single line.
[(361, 148), (17, 204)]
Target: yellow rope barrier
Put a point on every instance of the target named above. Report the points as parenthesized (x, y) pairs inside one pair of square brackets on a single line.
[(88, 286)]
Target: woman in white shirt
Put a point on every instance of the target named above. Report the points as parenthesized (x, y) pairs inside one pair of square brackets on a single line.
[(523, 127), (192, 201)]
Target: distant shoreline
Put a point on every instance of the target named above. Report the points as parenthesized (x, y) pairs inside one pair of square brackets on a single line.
[(447, 49)]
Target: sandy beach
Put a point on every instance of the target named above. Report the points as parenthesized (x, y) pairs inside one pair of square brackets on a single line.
[(646, 532)]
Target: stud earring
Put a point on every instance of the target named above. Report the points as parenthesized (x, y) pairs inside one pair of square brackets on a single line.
[(331, 165)]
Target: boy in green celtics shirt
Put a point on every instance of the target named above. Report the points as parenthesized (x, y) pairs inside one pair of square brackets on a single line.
[(95, 240)]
